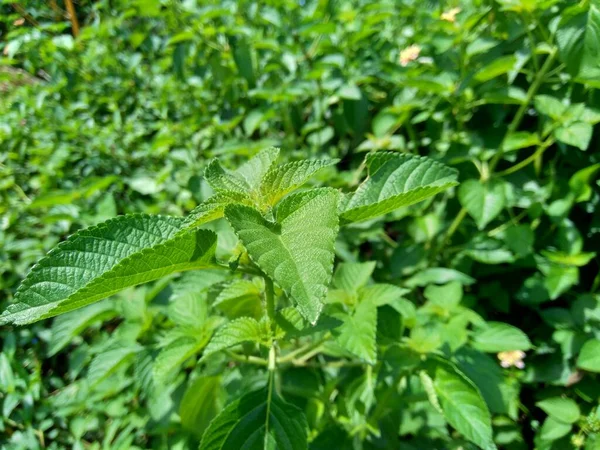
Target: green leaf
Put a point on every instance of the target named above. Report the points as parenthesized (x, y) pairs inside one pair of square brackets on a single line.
[(296, 252), (578, 40), (463, 406), (562, 409), (499, 66), (483, 201), (553, 429), (580, 182), (116, 356), (396, 180), (519, 140), (170, 358), (255, 169), (98, 262), (500, 337), (258, 420), (240, 298), (550, 106), (282, 180), (589, 357), (577, 134), (353, 276), (214, 208), (202, 401), (244, 329), (67, 327), (222, 180), (359, 331)]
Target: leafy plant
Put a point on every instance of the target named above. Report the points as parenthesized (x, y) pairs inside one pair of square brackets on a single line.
[(286, 238)]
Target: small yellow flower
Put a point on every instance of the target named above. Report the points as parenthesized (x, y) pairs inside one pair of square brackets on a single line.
[(450, 15), (409, 54), (512, 358)]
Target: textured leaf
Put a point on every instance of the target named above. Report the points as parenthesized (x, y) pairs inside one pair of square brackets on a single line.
[(202, 401), (103, 260), (359, 331), (577, 134), (213, 208), (222, 180), (500, 337), (483, 201), (463, 406), (244, 329), (257, 421), (396, 180), (562, 409), (589, 357), (282, 180), (255, 169), (296, 252)]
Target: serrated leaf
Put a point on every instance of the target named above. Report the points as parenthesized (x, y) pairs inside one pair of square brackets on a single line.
[(463, 406), (297, 251), (244, 329), (171, 357), (589, 357), (562, 409), (483, 201), (102, 260), (213, 208), (500, 337), (358, 332), (222, 180), (254, 170), (201, 402), (257, 421), (67, 327), (282, 180), (396, 180)]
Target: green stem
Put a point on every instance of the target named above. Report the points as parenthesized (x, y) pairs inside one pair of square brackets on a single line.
[(247, 359), (523, 108), (305, 349), (453, 227), (270, 299), (541, 149)]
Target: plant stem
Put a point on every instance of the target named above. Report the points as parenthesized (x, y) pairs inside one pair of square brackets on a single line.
[(270, 300), (73, 17), (523, 108), (305, 349), (541, 149), (247, 359), (453, 227)]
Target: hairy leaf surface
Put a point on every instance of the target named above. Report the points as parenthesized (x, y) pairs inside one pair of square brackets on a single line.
[(296, 251), (396, 180), (105, 259)]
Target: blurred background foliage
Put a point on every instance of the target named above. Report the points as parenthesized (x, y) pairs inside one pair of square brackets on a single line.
[(118, 108)]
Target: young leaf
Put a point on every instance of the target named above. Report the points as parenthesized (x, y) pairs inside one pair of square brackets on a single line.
[(589, 357), (463, 406), (222, 180), (396, 180), (254, 170), (500, 337), (202, 401), (296, 252), (213, 208), (483, 201), (359, 331), (98, 262), (258, 420), (244, 329), (562, 409), (353, 276), (282, 180)]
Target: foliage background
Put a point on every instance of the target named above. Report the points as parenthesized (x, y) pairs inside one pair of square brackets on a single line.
[(125, 117)]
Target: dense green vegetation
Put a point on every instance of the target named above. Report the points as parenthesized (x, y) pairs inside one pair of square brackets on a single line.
[(454, 297)]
